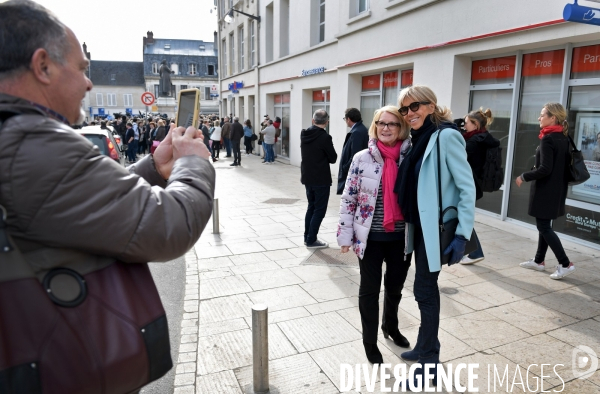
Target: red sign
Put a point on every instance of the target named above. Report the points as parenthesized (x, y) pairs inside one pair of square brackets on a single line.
[(277, 99), (406, 78), (371, 82), (586, 59), (148, 98), (286, 97), (543, 63), (498, 68), (390, 80), (318, 96)]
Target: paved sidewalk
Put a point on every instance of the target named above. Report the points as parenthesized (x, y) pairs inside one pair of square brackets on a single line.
[(493, 312)]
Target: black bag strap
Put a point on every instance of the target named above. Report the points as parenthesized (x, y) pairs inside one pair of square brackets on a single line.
[(439, 182), (573, 144)]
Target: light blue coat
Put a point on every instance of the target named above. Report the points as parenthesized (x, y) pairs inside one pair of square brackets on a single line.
[(458, 190)]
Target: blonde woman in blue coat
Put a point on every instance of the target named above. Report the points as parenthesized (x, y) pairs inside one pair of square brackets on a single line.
[(418, 197)]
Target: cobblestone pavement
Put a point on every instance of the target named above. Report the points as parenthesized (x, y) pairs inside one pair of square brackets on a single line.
[(492, 313)]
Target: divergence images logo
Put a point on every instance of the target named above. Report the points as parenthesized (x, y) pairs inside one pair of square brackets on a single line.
[(584, 357)]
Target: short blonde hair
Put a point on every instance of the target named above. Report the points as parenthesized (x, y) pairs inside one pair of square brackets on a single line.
[(422, 93), (217, 123), (161, 122), (391, 109)]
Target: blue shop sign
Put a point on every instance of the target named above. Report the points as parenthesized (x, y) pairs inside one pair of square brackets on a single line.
[(313, 71), (101, 111), (580, 14), (129, 111), (235, 86)]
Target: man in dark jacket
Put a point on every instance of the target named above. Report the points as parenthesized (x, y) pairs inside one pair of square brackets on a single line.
[(356, 140), (60, 209), (226, 134), (236, 135), (317, 152)]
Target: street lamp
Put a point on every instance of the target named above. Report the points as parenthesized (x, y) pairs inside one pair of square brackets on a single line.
[(229, 16)]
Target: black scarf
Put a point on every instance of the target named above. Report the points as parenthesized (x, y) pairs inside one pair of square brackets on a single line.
[(408, 173)]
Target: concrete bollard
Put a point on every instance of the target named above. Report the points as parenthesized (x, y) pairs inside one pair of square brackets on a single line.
[(215, 216), (260, 348)]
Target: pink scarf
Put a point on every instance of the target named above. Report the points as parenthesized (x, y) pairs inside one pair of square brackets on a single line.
[(391, 209)]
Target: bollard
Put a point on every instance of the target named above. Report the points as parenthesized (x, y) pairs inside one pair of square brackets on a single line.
[(215, 215), (260, 348)]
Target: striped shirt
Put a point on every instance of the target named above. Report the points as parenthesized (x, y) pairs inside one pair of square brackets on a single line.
[(377, 231)]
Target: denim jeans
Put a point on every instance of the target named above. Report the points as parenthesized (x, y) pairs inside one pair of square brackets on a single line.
[(227, 143), (477, 253), (548, 237), (427, 295), (268, 152), (317, 197), (370, 283)]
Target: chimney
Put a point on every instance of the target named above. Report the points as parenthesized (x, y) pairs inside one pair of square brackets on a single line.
[(150, 39), (87, 54)]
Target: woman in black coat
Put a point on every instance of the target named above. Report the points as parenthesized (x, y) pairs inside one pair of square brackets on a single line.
[(549, 189), (478, 142)]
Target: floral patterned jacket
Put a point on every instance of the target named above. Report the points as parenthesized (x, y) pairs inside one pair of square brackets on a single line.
[(360, 195)]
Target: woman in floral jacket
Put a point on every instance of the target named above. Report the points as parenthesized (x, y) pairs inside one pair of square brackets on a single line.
[(370, 215)]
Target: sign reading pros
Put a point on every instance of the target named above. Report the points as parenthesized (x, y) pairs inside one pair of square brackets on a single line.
[(313, 71)]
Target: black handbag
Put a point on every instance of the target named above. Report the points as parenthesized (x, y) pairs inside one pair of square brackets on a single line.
[(253, 137), (448, 228), (578, 172)]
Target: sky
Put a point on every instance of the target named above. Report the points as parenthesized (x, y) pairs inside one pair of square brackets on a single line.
[(114, 29)]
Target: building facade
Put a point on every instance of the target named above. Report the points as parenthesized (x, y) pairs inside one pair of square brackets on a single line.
[(195, 65), (238, 40), (510, 56)]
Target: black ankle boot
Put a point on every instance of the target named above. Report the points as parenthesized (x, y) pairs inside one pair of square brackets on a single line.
[(373, 354), (399, 339)]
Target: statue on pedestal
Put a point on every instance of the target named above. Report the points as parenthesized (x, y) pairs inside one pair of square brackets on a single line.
[(165, 72)]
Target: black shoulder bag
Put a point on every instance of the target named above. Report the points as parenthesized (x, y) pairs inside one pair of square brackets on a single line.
[(448, 228), (578, 172)]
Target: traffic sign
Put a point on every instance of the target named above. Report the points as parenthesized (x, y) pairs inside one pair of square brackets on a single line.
[(147, 98)]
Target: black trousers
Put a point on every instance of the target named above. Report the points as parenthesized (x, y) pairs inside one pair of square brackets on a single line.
[(248, 144), (370, 283), (237, 155), (548, 237), (216, 148)]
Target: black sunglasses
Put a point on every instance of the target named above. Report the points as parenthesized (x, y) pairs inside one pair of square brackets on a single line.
[(413, 107)]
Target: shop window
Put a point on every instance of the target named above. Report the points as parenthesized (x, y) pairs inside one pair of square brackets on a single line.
[(321, 100), (406, 78), (586, 62), (390, 88), (282, 109), (540, 84), (499, 74)]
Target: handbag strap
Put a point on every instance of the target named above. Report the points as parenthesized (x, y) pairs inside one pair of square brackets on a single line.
[(573, 144), (439, 183)]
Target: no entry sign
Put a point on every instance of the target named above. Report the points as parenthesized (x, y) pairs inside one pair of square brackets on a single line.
[(147, 98)]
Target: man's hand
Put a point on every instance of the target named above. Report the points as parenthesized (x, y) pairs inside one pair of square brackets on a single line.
[(345, 249), (179, 142)]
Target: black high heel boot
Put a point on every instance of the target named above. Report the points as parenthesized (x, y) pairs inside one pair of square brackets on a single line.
[(373, 354), (399, 339)]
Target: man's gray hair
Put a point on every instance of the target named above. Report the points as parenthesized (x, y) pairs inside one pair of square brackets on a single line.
[(236, 119), (320, 117), (25, 27)]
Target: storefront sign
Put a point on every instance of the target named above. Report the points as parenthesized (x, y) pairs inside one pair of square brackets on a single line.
[(580, 14), (498, 68), (319, 97), (313, 71), (236, 86), (390, 79), (406, 78), (543, 63), (101, 111), (371, 82), (586, 59)]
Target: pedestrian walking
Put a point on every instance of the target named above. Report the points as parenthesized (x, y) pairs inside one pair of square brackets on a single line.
[(268, 134), (478, 140), (248, 133), (236, 135), (226, 134), (356, 140), (371, 223), (317, 153), (549, 187), (215, 137), (431, 124)]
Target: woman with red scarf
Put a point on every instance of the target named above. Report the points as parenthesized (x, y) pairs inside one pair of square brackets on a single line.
[(371, 223), (549, 188), (478, 142)]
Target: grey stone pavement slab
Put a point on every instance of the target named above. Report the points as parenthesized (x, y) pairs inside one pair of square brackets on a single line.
[(493, 313)]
